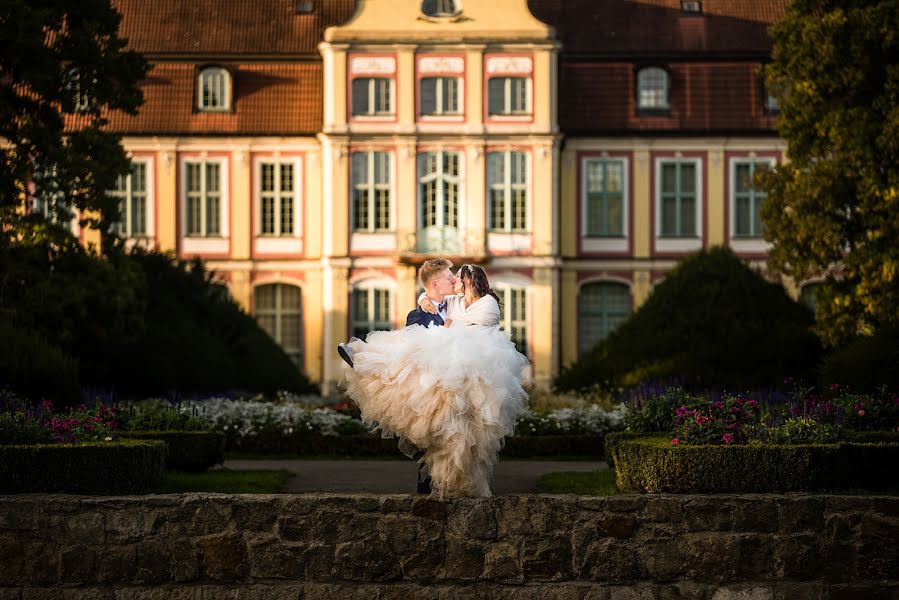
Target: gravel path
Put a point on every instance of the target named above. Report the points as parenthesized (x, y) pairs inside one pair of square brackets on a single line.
[(398, 476)]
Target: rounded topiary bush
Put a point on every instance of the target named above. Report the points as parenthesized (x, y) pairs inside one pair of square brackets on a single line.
[(34, 368), (865, 363), (187, 450), (120, 467), (713, 322)]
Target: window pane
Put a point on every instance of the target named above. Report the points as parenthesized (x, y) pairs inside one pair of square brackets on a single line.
[(743, 177), (268, 215), (496, 88), (669, 216), (669, 178), (428, 99), (286, 215), (688, 216), (615, 215), (497, 210), (382, 96), (519, 95), (360, 209), (688, 177), (601, 308), (742, 215), (450, 95), (360, 96)]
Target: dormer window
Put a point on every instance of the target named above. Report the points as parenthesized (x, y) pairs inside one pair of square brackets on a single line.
[(691, 6), (81, 102), (214, 89), (652, 89), (441, 8)]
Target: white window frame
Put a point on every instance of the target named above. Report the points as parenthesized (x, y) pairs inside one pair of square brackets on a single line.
[(507, 97), (40, 206), (371, 112), (440, 112), (126, 197), (223, 76), (581, 349), (278, 243), (278, 312), (504, 289), (440, 237), (373, 188), (687, 244), (508, 187), (599, 243), (743, 244), (646, 73), (370, 286), (206, 244)]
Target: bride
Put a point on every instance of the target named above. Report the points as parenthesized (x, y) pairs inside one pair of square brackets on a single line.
[(453, 391)]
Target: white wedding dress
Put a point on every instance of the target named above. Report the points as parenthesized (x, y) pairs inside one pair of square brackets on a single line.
[(454, 392)]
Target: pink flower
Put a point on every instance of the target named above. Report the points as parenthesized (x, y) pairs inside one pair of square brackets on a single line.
[(675, 441), (700, 419), (48, 406), (752, 403), (834, 387), (728, 438), (861, 413)]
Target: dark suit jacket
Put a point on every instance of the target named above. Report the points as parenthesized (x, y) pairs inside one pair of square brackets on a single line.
[(420, 317)]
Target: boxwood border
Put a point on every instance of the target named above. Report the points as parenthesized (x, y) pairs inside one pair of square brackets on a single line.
[(656, 465), (186, 450), (118, 467)]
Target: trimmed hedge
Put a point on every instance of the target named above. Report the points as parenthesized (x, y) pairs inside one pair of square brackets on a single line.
[(372, 445), (120, 467), (614, 439), (187, 450), (656, 465)]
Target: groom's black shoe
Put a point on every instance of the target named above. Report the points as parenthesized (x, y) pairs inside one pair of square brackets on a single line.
[(346, 353)]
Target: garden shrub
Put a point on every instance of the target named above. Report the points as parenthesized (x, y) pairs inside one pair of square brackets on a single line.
[(865, 364), (712, 323), (186, 450), (613, 439), (657, 465), (120, 467), (656, 412), (34, 368), (802, 430), (21, 428)]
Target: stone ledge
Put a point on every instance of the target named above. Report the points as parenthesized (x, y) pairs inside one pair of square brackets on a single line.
[(756, 546)]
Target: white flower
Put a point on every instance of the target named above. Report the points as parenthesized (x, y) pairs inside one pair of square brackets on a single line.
[(107, 439)]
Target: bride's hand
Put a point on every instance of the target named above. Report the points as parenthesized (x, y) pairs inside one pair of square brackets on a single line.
[(448, 323), (427, 306)]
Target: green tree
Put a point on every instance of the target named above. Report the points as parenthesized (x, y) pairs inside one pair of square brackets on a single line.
[(63, 67), (834, 207)]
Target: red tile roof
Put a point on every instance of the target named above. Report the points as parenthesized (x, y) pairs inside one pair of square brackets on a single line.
[(216, 27), (278, 99), (651, 27), (600, 98)]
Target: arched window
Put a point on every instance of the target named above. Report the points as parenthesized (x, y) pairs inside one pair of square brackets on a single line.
[(370, 309), (602, 307), (278, 309), (214, 89), (441, 8), (652, 89)]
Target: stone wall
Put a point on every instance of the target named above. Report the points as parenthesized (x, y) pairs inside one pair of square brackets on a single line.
[(360, 546)]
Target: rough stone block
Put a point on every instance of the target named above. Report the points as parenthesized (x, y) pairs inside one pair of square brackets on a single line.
[(116, 564), (464, 558), (743, 593), (684, 590), (366, 559), (224, 557), (250, 515), (707, 514), (473, 518), (77, 564), (711, 556), (797, 515), (546, 557), (806, 591), (798, 556), (502, 562), (664, 510), (607, 560), (270, 558)]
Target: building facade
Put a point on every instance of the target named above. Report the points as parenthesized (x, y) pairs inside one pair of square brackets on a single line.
[(315, 153)]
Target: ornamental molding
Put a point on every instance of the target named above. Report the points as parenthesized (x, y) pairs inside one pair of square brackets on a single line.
[(441, 64), (373, 65), (509, 64)]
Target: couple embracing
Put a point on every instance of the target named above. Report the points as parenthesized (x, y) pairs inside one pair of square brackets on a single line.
[(448, 384)]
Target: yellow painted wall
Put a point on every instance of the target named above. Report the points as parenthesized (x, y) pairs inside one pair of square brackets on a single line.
[(240, 198)]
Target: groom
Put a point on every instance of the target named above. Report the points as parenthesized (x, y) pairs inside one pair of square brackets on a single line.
[(438, 281)]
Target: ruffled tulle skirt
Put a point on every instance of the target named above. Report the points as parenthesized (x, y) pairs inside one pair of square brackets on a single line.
[(453, 392)]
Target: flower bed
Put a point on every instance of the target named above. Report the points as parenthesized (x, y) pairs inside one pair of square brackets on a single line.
[(655, 465), (293, 426), (121, 467)]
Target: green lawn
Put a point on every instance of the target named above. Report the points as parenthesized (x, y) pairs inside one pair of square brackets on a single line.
[(224, 481), (593, 483)]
